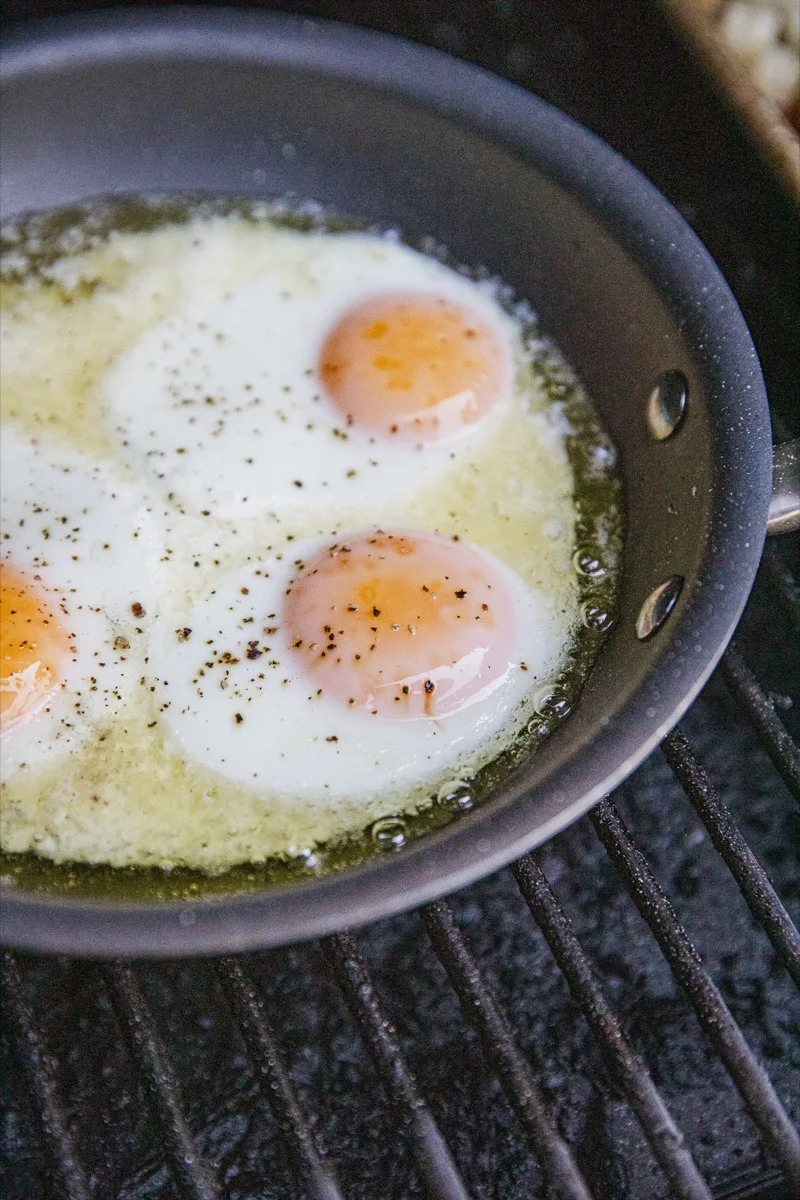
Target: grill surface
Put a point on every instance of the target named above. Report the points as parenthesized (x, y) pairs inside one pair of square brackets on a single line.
[(615, 1016)]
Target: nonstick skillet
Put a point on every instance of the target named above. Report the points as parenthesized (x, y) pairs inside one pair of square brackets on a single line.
[(245, 104)]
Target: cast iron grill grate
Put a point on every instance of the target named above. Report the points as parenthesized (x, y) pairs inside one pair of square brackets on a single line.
[(565, 1169)]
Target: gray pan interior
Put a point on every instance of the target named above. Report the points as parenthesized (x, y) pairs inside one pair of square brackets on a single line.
[(251, 104)]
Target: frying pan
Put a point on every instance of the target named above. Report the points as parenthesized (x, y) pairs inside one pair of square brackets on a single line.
[(231, 102)]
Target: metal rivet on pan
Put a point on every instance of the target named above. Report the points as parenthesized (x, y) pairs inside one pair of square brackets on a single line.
[(666, 405), (657, 607)]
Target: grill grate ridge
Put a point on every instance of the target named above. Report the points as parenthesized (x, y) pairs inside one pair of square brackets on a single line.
[(751, 877), (665, 1138), (783, 585), (41, 1067), (267, 1060), (194, 1177), (512, 1069), (750, 1078), (772, 733), (431, 1154)]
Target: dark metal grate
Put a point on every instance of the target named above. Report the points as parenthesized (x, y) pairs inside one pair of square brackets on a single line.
[(307, 1158), (195, 1177)]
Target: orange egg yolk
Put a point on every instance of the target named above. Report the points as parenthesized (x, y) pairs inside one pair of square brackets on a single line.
[(414, 365), (33, 647), (404, 625)]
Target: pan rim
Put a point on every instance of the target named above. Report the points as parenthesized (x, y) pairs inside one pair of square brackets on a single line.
[(643, 222)]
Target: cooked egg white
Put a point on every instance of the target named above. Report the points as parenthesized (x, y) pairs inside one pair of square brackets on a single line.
[(223, 406), (77, 600), (111, 362), (237, 696)]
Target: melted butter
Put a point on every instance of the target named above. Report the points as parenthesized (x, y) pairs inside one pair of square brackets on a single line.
[(130, 796)]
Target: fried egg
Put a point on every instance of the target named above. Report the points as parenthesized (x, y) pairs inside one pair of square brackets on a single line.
[(361, 666), (74, 599), (288, 537), (348, 372)]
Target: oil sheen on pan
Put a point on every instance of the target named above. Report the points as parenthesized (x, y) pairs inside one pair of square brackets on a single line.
[(307, 532)]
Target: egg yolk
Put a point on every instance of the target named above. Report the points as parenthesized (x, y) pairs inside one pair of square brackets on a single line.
[(33, 647), (414, 365), (404, 625)]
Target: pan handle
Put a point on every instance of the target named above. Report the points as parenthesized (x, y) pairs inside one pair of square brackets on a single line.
[(784, 507)]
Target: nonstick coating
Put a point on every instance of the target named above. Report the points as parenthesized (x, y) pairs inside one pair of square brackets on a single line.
[(230, 102)]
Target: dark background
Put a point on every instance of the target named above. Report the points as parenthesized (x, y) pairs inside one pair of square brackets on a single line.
[(616, 66)]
